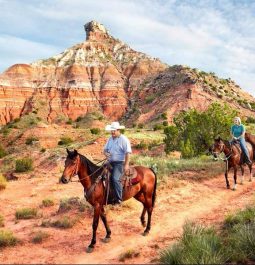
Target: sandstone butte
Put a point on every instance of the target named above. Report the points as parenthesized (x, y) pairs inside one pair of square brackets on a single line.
[(103, 74)]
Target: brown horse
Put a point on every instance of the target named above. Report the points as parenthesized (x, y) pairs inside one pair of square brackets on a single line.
[(233, 158), (90, 177)]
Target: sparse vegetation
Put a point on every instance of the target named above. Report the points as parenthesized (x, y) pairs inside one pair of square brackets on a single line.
[(129, 254), (3, 182), (68, 204), (47, 202), (26, 213), (149, 99), (1, 221), (31, 139), (24, 165), (64, 222), (95, 130), (7, 239), (65, 140), (2, 151), (39, 237)]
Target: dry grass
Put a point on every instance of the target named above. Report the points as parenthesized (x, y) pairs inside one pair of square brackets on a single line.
[(3, 182), (128, 254), (7, 239), (63, 222), (39, 237), (26, 213), (1, 221), (47, 202)]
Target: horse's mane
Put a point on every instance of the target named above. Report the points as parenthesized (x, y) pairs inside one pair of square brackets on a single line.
[(90, 166)]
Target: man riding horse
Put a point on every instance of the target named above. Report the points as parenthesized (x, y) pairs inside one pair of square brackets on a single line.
[(117, 150)]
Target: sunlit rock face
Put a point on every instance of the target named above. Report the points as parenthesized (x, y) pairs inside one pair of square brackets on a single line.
[(101, 74)]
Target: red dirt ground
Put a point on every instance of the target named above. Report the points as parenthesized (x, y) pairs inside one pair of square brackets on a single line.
[(206, 202)]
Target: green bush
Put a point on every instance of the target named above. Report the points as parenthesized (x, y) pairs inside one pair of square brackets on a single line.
[(199, 128), (149, 99), (65, 141), (157, 127), (142, 145), (24, 165), (198, 245), (7, 239), (2, 152), (26, 213), (250, 120), (3, 182), (95, 130)]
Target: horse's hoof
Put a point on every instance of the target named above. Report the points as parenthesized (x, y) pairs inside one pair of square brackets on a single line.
[(106, 240), (144, 224), (89, 250), (241, 183), (234, 189), (145, 233), (228, 187)]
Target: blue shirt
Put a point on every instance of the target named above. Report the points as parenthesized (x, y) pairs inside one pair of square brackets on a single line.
[(237, 130), (118, 147)]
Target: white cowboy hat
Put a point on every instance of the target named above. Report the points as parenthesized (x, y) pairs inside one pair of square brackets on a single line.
[(114, 126)]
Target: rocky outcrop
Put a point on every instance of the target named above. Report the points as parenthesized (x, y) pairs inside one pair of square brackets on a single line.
[(103, 74), (100, 74)]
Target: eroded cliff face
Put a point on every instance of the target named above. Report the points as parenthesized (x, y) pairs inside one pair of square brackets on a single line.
[(100, 74)]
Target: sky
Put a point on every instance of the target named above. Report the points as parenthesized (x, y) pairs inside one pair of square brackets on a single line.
[(213, 36)]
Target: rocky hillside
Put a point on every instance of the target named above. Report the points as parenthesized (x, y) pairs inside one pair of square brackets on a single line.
[(99, 74), (179, 88), (106, 76)]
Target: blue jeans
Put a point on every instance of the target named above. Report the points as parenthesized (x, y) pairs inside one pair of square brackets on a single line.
[(117, 171), (244, 147)]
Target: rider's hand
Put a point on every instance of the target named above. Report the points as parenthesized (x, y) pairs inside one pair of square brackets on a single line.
[(108, 155), (126, 169)]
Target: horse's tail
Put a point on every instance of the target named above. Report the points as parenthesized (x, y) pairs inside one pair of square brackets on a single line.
[(155, 188)]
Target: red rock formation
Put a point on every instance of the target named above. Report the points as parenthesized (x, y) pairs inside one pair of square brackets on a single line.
[(96, 75)]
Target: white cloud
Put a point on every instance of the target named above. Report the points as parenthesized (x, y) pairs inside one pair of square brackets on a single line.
[(210, 35)]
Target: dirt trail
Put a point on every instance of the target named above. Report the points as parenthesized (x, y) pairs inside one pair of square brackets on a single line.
[(206, 202)]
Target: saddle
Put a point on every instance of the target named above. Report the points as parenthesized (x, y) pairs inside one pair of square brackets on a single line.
[(127, 181)]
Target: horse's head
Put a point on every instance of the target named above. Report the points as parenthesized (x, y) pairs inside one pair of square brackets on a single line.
[(72, 164), (217, 148)]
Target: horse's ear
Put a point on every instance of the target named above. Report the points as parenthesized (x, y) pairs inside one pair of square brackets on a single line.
[(68, 152), (75, 152)]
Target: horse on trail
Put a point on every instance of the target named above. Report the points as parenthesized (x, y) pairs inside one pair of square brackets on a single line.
[(233, 157), (90, 176)]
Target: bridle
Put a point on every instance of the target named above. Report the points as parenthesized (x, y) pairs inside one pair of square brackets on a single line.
[(222, 147)]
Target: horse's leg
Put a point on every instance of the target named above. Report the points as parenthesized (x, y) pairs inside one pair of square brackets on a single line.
[(108, 230), (242, 171), (97, 211), (148, 206), (226, 177), (235, 172), (140, 198), (250, 168)]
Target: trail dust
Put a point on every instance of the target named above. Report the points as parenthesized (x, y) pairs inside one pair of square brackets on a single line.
[(177, 201)]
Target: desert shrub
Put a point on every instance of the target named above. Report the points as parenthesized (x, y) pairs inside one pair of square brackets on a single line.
[(26, 213), (30, 140), (2, 152), (7, 239), (200, 128), (140, 126), (164, 116), (64, 222), (69, 121), (198, 245), (1, 221), (68, 204), (39, 237), (3, 182), (250, 120), (95, 130), (47, 202), (186, 149), (150, 98), (165, 123), (157, 127), (65, 141), (129, 254), (142, 145), (43, 150), (24, 165)]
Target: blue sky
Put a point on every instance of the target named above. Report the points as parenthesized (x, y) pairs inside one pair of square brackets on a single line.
[(217, 36)]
